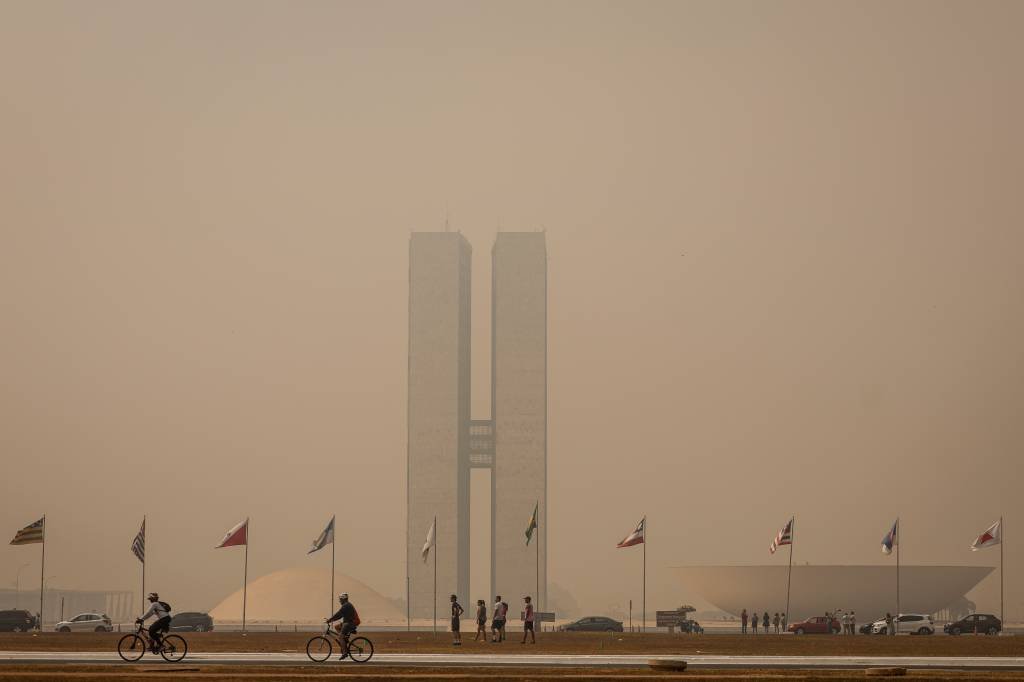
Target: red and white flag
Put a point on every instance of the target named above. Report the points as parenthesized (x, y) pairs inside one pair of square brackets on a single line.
[(784, 537), (239, 535), (636, 537), (992, 536)]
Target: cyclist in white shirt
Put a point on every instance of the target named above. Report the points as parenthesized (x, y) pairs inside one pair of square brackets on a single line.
[(162, 611)]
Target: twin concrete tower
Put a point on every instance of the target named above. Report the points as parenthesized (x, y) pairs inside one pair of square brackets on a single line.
[(445, 443)]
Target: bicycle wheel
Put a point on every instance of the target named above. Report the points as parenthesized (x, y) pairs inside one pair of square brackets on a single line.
[(318, 649), (131, 648), (174, 648), (360, 649)]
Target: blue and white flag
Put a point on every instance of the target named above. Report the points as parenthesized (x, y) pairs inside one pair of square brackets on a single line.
[(891, 538), (325, 538)]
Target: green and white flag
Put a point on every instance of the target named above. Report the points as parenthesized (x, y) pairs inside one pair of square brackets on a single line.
[(326, 538), (533, 524)]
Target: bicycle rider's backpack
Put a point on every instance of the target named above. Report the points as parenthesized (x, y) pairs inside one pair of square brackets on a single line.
[(355, 617), (166, 606)]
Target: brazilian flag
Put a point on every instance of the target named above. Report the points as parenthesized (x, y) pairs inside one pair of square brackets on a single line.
[(533, 524)]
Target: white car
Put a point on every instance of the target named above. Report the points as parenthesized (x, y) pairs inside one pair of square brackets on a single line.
[(86, 622), (908, 623)]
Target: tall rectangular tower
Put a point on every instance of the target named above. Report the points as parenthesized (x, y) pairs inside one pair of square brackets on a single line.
[(519, 412), (438, 416)]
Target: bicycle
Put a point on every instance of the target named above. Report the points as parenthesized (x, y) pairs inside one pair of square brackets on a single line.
[(320, 648), (134, 645)]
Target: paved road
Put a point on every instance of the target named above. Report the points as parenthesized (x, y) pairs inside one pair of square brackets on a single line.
[(571, 660)]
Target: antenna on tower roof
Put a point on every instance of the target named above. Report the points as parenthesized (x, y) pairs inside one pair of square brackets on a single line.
[(446, 217)]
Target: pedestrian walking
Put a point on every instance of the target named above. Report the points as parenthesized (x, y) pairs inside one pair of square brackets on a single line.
[(457, 612), (504, 618), (775, 622), (853, 622), (753, 623), (889, 629), (498, 621), (528, 622), (481, 620), (764, 622), (743, 622)]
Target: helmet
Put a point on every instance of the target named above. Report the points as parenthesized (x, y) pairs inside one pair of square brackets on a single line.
[(343, 596), (153, 596)]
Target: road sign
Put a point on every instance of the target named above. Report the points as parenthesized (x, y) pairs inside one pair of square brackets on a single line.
[(668, 619)]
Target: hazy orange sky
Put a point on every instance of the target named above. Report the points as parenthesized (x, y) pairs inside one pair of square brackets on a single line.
[(785, 245)]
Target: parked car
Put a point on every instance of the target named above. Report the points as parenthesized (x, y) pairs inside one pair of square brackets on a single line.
[(86, 622), (16, 620), (909, 623), (865, 629), (691, 627), (192, 620), (976, 622), (593, 624), (818, 625)]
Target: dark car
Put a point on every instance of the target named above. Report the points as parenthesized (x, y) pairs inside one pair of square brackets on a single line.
[(593, 624), (16, 620), (866, 628), (976, 622), (818, 625), (192, 620)]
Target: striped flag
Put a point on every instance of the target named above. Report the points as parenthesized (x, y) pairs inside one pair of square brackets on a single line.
[(784, 537), (139, 543), (532, 526), (891, 538), (636, 537), (31, 534), (325, 538)]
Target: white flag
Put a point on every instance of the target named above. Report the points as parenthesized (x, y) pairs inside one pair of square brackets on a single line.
[(992, 536), (430, 540), (325, 538)]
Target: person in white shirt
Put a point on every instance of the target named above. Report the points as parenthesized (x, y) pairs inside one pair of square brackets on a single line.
[(162, 611)]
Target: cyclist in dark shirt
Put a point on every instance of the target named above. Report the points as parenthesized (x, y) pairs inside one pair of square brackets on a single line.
[(349, 620)]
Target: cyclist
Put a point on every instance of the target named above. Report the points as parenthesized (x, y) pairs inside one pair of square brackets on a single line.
[(349, 621), (162, 611)]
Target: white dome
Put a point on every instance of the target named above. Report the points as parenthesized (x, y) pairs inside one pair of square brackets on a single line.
[(301, 595)]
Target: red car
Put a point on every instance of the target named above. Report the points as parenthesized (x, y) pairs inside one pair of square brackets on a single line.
[(818, 625)]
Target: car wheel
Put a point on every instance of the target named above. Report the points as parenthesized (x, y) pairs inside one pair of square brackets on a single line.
[(991, 631), (923, 631), (101, 629), (65, 629), (609, 630), (16, 628), (199, 628), (954, 631), (799, 631)]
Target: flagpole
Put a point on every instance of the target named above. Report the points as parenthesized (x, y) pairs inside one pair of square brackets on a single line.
[(245, 575), (899, 532), (1002, 570), (333, 552), (643, 590), (42, 579), (143, 595), (435, 575), (789, 576), (537, 533)]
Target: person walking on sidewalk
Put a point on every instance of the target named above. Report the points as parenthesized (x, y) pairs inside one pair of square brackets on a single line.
[(743, 622), (528, 622), (457, 612)]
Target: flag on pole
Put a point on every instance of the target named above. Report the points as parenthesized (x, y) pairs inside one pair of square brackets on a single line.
[(430, 541), (139, 543), (30, 534), (636, 537), (325, 538), (991, 537), (239, 535), (784, 537), (532, 526), (891, 538)]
